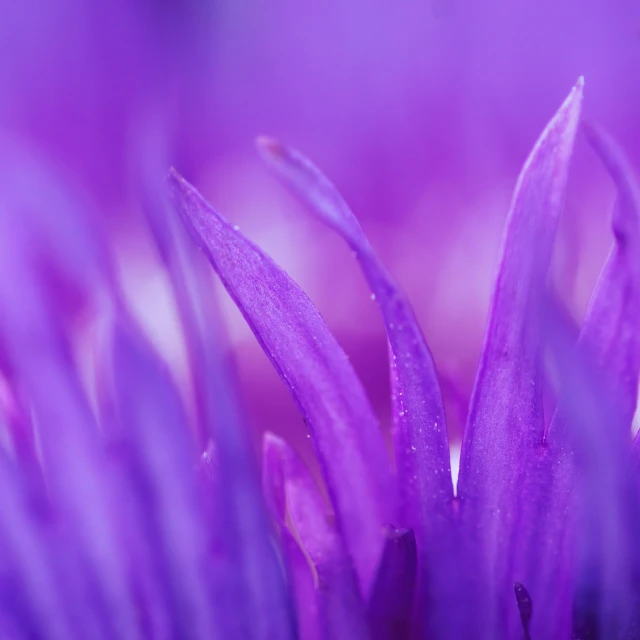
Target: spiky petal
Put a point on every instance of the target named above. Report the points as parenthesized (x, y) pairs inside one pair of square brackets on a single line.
[(341, 612), (505, 425), (341, 422)]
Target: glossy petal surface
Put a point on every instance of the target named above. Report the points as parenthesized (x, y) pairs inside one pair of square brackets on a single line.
[(390, 607), (419, 427), (296, 339), (341, 612), (506, 423)]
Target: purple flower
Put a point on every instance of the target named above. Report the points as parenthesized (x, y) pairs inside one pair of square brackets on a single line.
[(132, 506)]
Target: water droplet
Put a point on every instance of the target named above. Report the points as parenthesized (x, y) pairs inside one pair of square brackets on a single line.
[(373, 296), (236, 227)]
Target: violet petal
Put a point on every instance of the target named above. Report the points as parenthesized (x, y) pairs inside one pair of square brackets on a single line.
[(152, 413), (419, 428), (390, 607), (304, 587), (245, 553), (24, 542), (341, 609), (506, 422), (153, 424), (296, 339), (39, 359), (612, 322), (604, 547), (299, 569), (420, 432), (609, 332)]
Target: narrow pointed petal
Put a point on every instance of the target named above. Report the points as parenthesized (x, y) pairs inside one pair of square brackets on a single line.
[(340, 607), (344, 430), (390, 606), (196, 310), (245, 553), (419, 428), (505, 425), (299, 568), (612, 323), (153, 423), (39, 362), (420, 433), (27, 567), (152, 413), (302, 582), (609, 332)]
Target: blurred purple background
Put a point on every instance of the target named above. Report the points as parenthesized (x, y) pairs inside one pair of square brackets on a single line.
[(421, 112)]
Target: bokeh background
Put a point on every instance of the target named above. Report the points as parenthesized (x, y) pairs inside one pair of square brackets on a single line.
[(421, 111)]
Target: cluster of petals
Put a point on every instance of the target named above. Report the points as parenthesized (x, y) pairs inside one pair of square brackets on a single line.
[(132, 505)]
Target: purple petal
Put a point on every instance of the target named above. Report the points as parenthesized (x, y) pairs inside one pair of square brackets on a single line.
[(304, 587), (247, 578), (419, 427), (26, 564), (40, 363), (604, 545), (250, 575), (609, 331), (390, 606), (299, 569), (153, 424), (340, 606), (612, 322), (420, 433), (233, 490), (506, 423), (296, 339), (190, 284)]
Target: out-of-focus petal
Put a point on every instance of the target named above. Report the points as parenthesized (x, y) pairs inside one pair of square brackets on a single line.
[(420, 431), (390, 607), (612, 323), (604, 545), (39, 362), (152, 423), (506, 423), (296, 339), (341, 609), (246, 577), (30, 585), (547, 525), (15, 413)]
